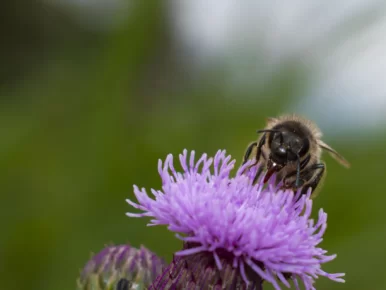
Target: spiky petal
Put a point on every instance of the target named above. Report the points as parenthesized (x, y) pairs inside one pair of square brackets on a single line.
[(265, 229)]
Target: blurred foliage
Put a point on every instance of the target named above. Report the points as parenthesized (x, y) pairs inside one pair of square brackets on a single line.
[(86, 115)]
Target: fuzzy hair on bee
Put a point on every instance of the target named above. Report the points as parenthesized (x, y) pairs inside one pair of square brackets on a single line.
[(291, 146)]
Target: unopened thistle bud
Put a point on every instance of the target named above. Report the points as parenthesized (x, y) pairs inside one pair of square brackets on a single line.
[(120, 268)]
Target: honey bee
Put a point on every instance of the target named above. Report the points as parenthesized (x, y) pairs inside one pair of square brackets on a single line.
[(291, 147)]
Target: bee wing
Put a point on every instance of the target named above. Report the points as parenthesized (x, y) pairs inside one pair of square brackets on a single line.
[(334, 154)]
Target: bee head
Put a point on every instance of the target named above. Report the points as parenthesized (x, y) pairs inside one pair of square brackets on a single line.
[(287, 147), (288, 142)]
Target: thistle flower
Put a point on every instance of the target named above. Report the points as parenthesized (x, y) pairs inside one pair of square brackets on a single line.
[(120, 268), (235, 233)]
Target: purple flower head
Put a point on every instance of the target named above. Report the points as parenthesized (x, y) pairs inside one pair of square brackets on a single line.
[(121, 267), (254, 228)]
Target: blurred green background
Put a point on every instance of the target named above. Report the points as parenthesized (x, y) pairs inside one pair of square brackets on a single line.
[(87, 112)]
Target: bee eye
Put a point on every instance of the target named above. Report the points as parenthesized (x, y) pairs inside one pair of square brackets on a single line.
[(279, 154), (305, 146), (281, 151)]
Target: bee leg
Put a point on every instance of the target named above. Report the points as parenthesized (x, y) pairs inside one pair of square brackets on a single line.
[(305, 178), (258, 152), (294, 185), (316, 179), (257, 158), (249, 151), (258, 173)]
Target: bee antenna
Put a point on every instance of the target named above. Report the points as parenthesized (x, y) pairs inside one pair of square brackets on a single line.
[(272, 131), (268, 131), (297, 171)]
